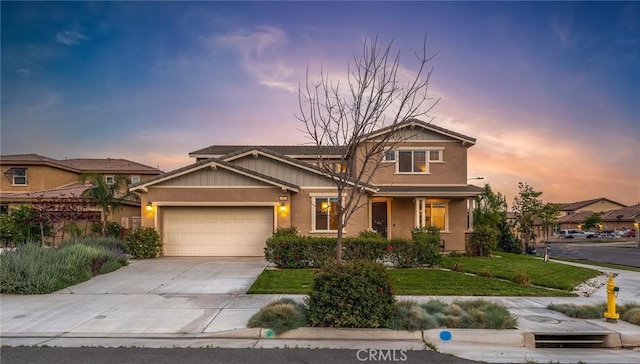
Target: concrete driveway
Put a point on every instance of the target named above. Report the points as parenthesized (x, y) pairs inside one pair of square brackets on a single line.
[(191, 295), (176, 275)]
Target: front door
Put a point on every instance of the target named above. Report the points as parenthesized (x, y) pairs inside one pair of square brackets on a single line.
[(379, 217)]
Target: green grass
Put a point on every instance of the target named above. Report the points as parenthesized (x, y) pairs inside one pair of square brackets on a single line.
[(507, 266), (292, 281), (599, 264), (419, 282)]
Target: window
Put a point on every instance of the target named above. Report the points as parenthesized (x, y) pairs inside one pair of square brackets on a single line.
[(325, 217), (435, 156), (19, 176), (412, 161), (432, 214), (340, 167), (110, 180), (135, 179), (389, 156)]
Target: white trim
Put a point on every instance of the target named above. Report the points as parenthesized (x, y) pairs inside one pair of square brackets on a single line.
[(213, 204), (299, 165), (412, 150), (425, 126), (314, 198), (420, 212), (109, 176)]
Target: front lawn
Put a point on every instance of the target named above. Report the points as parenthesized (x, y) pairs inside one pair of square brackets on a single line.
[(418, 282), (507, 266), (547, 279)]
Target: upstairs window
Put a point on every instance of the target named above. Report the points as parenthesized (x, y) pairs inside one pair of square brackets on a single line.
[(135, 179), (19, 176), (435, 156), (110, 180), (389, 156), (412, 161)]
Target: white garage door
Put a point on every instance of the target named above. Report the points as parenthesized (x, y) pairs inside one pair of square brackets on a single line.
[(216, 231)]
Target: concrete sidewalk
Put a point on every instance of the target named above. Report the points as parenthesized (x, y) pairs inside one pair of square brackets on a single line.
[(163, 317)]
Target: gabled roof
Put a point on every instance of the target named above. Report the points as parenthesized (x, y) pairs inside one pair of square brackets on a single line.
[(576, 218), (214, 163), (572, 206), (106, 165), (72, 191), (629, 213), (291, 161), (36, 159), (81, 165), (412, 123), (310, 151)]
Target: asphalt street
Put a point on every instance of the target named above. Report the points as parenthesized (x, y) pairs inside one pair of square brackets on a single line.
[(624, 253), (37, 355)]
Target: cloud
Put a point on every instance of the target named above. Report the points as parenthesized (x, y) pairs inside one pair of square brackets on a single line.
[(260, 52), (70, 37)]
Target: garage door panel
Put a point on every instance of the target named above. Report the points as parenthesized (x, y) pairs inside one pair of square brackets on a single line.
[(216, 231)]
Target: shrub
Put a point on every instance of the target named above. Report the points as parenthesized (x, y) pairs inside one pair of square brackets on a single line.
[(507, 240), (632, 316), (486, 274), (33, 269), (434, 306), (455, 254), (353, 294), (410, 316), (522, 278), (144, 242), (370, 235), (280, 316), (483, 240), (629, 312), (285, 231)]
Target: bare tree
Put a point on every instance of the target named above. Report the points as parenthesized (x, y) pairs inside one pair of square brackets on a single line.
[(374, 99)]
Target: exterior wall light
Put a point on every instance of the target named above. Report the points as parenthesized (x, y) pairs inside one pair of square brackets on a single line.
[(283, 206), (149, 206)]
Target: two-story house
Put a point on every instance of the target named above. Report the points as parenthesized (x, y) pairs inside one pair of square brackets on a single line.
[(233, 197), (31, 177)]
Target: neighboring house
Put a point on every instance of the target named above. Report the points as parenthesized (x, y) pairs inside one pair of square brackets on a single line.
[(233, 197), (572, 215), (613, 219), (32, 177), (597, 205)]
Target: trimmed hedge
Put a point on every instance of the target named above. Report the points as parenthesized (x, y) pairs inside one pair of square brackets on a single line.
[(290, 251)]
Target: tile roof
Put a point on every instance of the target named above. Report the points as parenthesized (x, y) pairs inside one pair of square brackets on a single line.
[(578, 217), (80, 165), (72, 191), (311, 150), (429, 126), (628, 213), (572, 206), (110, 165), (289, 150)]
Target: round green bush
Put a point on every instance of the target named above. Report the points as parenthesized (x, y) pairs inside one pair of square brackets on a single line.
[(144, 242), (353, 294)]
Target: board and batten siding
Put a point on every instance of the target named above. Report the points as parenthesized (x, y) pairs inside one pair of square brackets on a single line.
[(211, 177), (284, 172), (421, 134)]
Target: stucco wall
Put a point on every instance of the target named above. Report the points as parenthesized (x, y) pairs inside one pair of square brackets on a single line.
[(38, 178)]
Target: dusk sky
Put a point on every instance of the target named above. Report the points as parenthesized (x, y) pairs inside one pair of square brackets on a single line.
[(550, 90)]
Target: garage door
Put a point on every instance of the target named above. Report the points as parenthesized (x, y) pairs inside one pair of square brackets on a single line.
[(216, 231)]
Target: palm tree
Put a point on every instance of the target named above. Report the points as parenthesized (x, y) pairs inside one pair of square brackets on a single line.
[(108, 196)]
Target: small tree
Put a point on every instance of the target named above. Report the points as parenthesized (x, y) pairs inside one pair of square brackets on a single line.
[(375, 98), (592, 222), (109, 197), (548, 215), (526, 207), (487, 217)]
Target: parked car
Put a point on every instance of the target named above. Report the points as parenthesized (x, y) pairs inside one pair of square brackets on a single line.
[(625, 233), (607, 234), (576, 234)]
